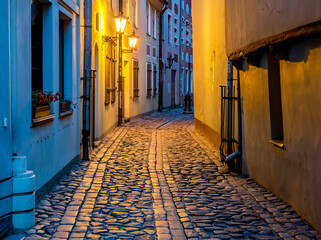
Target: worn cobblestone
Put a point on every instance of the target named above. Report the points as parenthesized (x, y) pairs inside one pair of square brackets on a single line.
[(156, 178)]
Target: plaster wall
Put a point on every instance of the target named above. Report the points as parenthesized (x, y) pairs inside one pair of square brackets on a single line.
[(253, 20), (292, 173), (50, 147), (143, 104), (170, 48), (210, 64), (105, 114), (5, 112)]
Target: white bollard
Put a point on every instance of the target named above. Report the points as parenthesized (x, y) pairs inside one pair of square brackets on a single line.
[(23, 196)]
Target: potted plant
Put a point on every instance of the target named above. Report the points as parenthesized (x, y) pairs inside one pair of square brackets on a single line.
[(41, 103), (64, 105)]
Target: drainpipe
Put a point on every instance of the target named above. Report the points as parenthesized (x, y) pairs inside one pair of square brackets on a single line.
[(161, 66), (238, 153), (229, 109), (120, 72), (180, 55), (87, 73)]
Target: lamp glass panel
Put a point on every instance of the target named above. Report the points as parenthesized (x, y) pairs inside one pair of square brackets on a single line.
[(120, 24), (132, 42)]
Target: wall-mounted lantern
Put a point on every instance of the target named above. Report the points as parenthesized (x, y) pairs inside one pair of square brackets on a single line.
[(170, 61)]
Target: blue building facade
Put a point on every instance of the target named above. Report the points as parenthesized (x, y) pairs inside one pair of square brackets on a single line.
[(40, 51)]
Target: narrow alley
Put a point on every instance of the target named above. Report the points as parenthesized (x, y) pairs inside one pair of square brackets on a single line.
[(156, 178)]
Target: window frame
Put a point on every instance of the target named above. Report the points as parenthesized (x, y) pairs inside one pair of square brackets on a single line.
[(154, 80), (149, 73), (135, 78)]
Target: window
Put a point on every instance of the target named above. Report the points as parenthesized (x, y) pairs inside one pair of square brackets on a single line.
[(135, 78), (148, 49), (183, 4), (169, 28), (176, 8), (187, 9), (113, 74), (186, 81), (182, 81), (154, 80), (61, 60), (110, 74), (163, 27), (154, 52), (148, 18), (134, 3), (36, 45), (175, 41), (65, 57), (153, 23), (97, 22), (126, 7), (275, 99), (108, 66), (191, 77), (149, 80)]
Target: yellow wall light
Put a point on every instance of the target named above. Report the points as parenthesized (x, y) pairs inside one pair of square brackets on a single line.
[(133, 40), (120, 21)]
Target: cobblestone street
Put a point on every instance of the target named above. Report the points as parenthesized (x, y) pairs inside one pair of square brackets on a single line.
[(156, 178)]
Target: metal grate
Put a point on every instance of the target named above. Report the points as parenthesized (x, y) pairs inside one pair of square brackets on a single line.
[(228, 102)]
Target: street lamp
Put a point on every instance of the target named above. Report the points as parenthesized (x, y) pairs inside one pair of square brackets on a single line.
[(120, 22), (132, 43), (133, 40), (170, 61)]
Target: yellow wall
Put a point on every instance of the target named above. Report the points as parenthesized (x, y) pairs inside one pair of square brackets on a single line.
[(105, 115), (292, 173), (252, 20), (138, 106), (210, 64)]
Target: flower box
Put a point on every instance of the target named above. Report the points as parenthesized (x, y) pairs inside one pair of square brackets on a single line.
[(39, 112), (63, 107)]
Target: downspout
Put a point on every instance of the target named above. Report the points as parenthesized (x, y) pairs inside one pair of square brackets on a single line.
[(87, 73), (229, 109), (161, 66), (120, 72), (180, 55), (238, 153)]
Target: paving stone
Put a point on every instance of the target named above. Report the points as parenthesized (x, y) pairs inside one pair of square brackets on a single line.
[(156, 178)]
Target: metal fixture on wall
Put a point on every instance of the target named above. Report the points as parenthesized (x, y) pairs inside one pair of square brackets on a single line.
[(121, 21), (86, 78), (161, 65), (170, 61)]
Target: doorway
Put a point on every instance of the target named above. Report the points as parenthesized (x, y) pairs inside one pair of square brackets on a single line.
[(93, 91), (173, 88)]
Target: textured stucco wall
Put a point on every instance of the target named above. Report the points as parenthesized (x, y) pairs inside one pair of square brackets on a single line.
[(49, 147), (105, 115), (252, 20), (5, 112), (292, 173), (210, 61)]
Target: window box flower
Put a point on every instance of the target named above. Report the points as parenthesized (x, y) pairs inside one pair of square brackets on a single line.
[(41, 103), (64, 105)]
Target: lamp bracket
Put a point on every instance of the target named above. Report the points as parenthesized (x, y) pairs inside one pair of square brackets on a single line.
[(111, 39), (127, 50)]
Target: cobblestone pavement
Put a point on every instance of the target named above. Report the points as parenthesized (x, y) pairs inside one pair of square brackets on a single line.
[(156, 178)]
